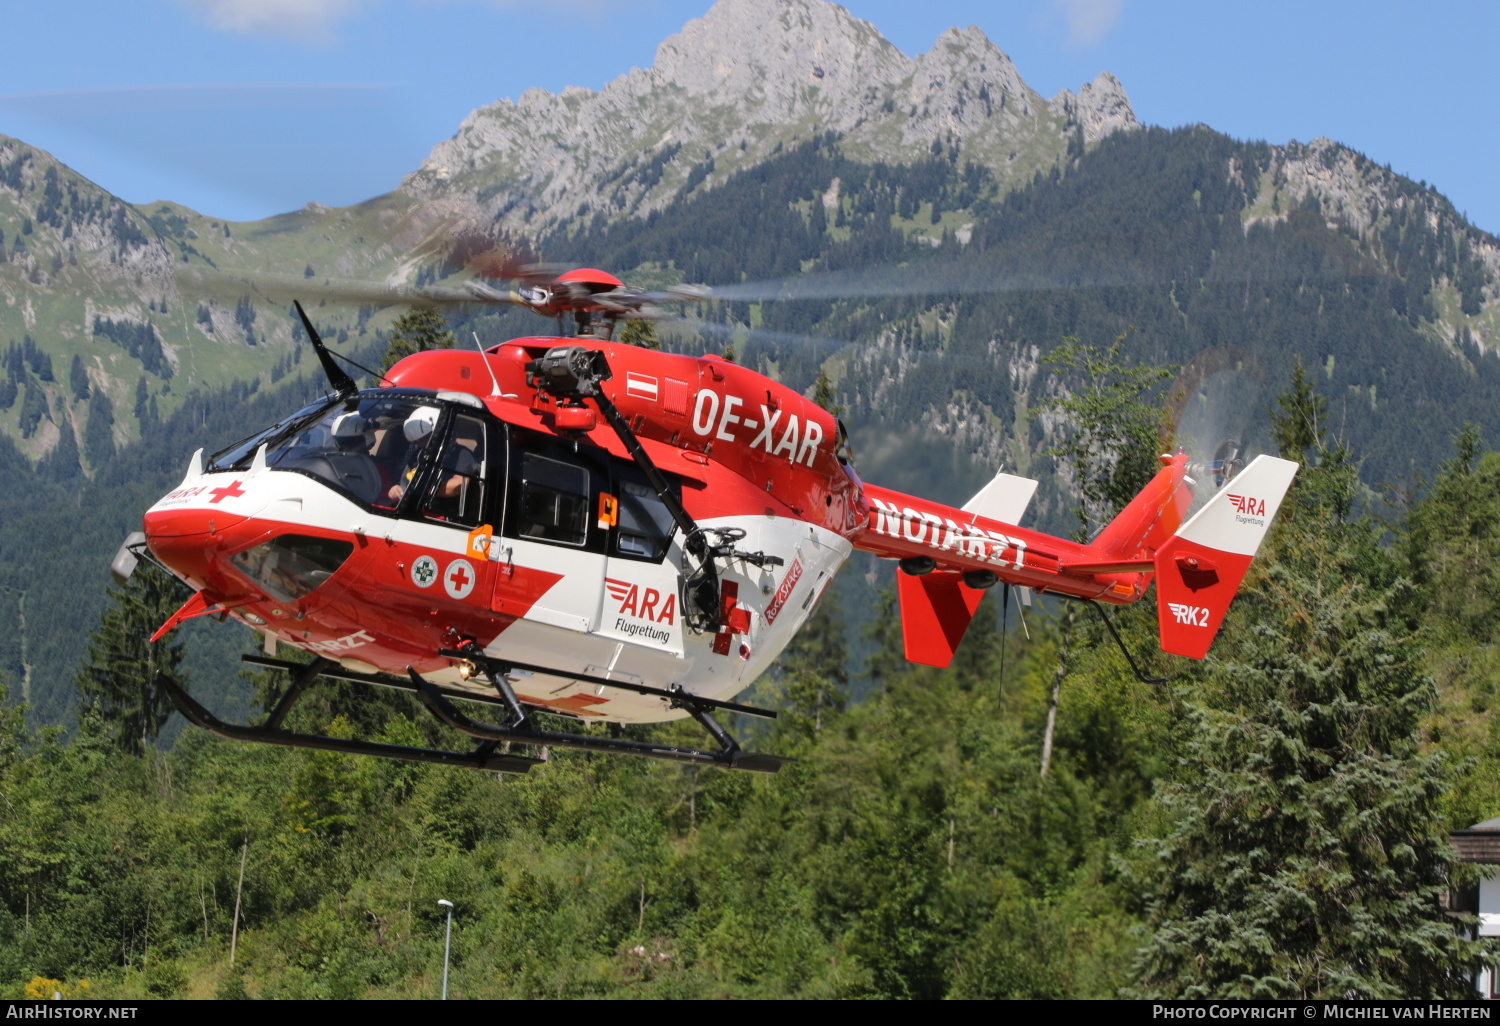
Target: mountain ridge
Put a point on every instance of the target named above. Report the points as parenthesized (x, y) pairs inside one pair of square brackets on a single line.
[(737, 85)]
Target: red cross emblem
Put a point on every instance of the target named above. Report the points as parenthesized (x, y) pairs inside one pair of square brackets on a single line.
[(459, 578), (229, 491)]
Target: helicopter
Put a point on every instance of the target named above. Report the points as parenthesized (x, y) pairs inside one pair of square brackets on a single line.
[(569, 525)]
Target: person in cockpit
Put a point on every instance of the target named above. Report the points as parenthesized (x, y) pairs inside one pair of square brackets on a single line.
[(460, 463), (351, 433)]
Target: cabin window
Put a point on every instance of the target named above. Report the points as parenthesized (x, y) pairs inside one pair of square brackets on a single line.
[(291, 565), (554, 505), (239, 455), (645, 524), (455, 493)]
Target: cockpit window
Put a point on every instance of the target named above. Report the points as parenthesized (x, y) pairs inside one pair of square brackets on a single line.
[(239, 455), (456, 493), (369, 447)]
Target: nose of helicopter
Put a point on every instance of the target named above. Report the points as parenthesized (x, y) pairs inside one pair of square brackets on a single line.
[(192, 528)]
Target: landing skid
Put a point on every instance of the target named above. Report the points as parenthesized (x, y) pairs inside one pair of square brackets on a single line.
[(517, 727)]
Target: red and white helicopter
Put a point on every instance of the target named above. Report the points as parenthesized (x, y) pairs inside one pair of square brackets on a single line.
[(580, 527)]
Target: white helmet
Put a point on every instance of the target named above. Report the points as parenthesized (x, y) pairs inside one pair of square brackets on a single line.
[(421, 422), (350, 425)]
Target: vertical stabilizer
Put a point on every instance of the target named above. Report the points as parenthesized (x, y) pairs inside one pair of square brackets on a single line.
[(1199, 569), (1004, 499), (936, 610)]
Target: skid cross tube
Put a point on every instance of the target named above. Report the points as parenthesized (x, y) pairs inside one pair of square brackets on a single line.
[(300, 681), (729, 757), (333, 671), (482, 757), (675, 697)]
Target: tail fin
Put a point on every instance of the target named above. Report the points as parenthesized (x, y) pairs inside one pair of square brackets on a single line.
[(1199, 569), (936, 610)]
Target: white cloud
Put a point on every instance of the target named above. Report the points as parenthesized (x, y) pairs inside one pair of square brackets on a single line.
[(308, 19), (315, 20), (1089, 21)]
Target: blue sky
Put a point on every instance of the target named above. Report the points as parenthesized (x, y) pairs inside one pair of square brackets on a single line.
[(272, 103)]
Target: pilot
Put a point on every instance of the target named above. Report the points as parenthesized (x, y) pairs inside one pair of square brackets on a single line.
[(418, 430), (351, 433)]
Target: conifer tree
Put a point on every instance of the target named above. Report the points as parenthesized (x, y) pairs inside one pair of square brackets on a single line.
[(826, 395), (1112, 426), (888, 659), (99, 432), (416, 331), (638, 332), (1295, 429), (1453, 540), (119, 677), (78, 378), (816, 663), (1305, 856), (61, 464), (1110, 446)]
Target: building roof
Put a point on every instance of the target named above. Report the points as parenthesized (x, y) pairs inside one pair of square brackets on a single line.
[(1480, 843)]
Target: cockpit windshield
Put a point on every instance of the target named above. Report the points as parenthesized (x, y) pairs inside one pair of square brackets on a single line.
[(239, 455), (366, 446)]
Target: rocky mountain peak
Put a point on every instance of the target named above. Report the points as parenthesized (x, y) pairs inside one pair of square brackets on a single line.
[(748, 48), (732, 88), (1101, 107)]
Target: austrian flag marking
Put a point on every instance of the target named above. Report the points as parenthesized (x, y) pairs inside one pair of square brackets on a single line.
[(641, 386)]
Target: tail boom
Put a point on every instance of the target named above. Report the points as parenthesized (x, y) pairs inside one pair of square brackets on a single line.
[(906, 527), (1197, 566), (943, 546)]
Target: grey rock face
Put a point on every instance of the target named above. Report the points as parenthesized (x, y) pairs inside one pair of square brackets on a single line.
[(732, 86), (1101, 107)]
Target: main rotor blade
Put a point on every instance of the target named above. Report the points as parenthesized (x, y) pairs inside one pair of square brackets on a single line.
[(226, 285), (997, 271), (925, 278), (337, 377)]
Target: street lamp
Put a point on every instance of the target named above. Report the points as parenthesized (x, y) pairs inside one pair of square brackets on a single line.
[(447, 941)]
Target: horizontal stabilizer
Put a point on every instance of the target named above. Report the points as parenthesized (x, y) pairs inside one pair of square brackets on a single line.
[(1116, 566), (1004, 499), (936, 610), (1199, 569)]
